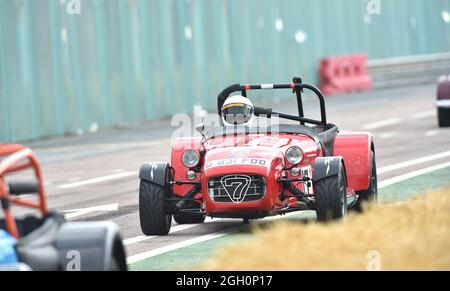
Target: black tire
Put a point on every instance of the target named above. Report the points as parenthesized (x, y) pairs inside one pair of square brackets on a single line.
[(153, 212), (444, 117), (331, 197), (371, 194), (114, 266), (118, 257)]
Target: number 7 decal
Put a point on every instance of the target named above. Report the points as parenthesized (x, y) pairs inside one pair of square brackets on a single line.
[(238, 185)]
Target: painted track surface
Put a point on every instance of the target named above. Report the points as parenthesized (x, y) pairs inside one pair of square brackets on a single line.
[(101, 169)]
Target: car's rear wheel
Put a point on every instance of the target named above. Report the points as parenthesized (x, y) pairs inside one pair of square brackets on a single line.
[(188, 218), (331, 196), (154, 216), (371, 194), (444, 116)]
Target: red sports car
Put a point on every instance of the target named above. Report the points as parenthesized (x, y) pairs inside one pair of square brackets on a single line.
[(443, 101), (245, 172)]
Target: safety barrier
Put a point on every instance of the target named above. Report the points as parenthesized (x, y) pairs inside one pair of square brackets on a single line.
[(408, 70), (344, 74)]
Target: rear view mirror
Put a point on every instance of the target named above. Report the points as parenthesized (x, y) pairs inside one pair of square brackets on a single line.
[(200, 127)]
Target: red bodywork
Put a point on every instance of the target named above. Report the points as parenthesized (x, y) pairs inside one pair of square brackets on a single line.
[(355, 148), (444, 89), (17, 158)]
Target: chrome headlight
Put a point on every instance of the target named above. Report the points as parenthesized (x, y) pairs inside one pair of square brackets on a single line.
[(190, 158), (294, 155)]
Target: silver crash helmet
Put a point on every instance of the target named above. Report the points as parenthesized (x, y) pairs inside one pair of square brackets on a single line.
[(237, 110)]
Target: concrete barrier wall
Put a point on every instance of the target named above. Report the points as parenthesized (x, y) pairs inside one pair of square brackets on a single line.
[(129, 61), (407, 71)]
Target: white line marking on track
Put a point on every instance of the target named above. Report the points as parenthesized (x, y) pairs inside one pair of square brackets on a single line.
[(382, 123), (141, 238), (424, 114), (97, 180), (72, 213), (404, 177), (178, 227), (178, 245), (168, 248), (432, 132), (413, 162), (386, 135)]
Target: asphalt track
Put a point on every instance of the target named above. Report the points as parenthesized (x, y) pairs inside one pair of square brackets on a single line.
[(94, 176)]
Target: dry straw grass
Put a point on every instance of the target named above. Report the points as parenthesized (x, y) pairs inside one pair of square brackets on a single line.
[(414, 235)]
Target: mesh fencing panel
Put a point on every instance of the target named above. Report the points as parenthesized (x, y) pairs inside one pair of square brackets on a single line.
[(126, 61)]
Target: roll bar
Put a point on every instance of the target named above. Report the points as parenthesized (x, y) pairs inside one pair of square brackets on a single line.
[(297, 87), (18, 158)]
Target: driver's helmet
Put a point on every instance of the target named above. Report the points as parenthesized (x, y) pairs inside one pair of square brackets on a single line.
[(237, 110)]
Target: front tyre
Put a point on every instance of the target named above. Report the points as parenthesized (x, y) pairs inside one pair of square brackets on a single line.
[(331, 196), (154, 216)]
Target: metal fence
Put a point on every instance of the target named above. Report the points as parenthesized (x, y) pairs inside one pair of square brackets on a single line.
[(66, 68)]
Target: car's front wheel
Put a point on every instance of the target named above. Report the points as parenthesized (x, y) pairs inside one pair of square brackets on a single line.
[(444, 116), (331, 196), (154, 216)]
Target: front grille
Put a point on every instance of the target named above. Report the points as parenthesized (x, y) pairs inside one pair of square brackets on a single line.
[(237, 188)]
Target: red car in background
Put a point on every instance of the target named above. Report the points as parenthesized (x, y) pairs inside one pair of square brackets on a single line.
[(254, 172), (443, 101)]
